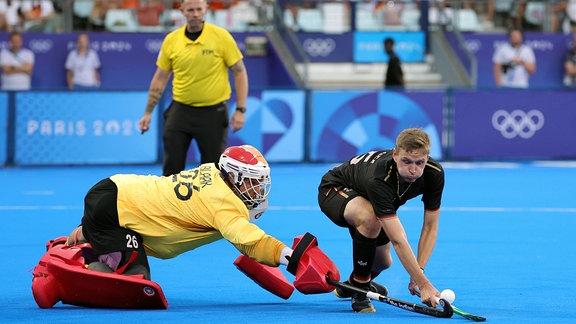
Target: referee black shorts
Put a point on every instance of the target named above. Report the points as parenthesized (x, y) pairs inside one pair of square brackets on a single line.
[(333, 200), (102, 229)]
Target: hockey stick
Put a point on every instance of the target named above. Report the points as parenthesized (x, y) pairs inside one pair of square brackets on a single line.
[(462, 313), (445, 312)]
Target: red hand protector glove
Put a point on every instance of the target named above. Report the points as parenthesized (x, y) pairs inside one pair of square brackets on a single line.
[(311, 266), (269, 278)]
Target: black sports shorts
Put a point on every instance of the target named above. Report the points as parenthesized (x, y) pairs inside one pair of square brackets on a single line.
[(101, 228), (333, 200)]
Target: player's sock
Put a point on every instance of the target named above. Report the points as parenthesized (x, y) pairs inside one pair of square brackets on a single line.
[(363, 250)]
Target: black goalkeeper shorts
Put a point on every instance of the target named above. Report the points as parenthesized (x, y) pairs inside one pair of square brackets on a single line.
[(102, 229)]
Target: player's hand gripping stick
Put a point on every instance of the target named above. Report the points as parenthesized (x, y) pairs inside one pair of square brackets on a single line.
[(457, 310), (445, 312)]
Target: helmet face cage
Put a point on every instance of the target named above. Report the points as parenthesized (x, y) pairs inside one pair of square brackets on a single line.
[(251, 173)]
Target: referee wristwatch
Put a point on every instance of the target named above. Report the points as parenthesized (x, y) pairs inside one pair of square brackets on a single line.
[(241, 109)]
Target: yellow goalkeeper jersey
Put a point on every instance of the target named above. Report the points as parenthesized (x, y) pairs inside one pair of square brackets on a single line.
[(181, 212)]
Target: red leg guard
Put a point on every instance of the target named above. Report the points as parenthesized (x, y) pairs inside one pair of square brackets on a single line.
[(44, 286), (62, 275)]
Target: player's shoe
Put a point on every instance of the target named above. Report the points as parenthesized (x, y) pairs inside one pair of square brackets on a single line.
[(362, 304), (378, 288), (374, 286)]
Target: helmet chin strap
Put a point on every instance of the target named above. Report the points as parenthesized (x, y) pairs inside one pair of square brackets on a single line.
[(257, 211)]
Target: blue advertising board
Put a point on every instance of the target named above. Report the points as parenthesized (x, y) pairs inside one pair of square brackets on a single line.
[(128, 60), (369, 46), (274, 125), (514, 124), (348, 123), (321, 47), (83, 128)]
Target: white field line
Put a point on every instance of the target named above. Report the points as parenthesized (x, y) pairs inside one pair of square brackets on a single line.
[(457, 209), (315, 208)]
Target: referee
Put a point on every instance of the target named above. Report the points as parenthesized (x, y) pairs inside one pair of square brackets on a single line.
[(200, 55)]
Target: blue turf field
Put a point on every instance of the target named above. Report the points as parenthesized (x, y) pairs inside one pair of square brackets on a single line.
[(505, 247)]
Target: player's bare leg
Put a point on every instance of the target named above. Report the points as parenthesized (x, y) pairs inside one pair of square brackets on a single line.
[(76, 237)]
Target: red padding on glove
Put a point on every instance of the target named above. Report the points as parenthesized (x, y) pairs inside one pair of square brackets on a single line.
[(312, 269), (269, 278)]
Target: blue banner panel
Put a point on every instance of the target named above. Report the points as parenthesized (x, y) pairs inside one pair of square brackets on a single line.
[(369, 46), (83, 128), (514, 124), (274, 125), (3, 127), (347, 123), (128, 59), (321, 47)]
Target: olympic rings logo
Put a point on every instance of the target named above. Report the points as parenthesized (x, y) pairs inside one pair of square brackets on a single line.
[(153, 45), (473, 45), (41, 45), (319, 46), (518, 123)]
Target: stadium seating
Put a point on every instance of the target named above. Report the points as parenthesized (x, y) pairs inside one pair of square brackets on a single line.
[(83, 9), (121, 20), (467, 20), (222, 18), (149, 20), (172, 19), (242, 15), (367, 20), (310, 19), (410, 18), (334, 17)]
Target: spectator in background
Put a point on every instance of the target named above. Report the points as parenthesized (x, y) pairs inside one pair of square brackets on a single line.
[(98, 14), (40, 16), (570, 64), (499, 13), (17, 64), (394, 74), (82, 66), (571, 15), (514, 62), (558, 15), (10, 16), (530, 15)]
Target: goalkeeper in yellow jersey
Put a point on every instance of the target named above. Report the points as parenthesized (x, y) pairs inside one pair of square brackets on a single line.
[(128, 217)]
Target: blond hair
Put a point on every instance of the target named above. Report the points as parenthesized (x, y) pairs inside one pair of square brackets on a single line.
[(413, 139)]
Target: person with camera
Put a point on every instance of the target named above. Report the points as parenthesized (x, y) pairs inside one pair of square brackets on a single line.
[(514, 62)]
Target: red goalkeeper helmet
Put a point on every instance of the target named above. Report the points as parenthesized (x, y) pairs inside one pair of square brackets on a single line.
[(251, 173)]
